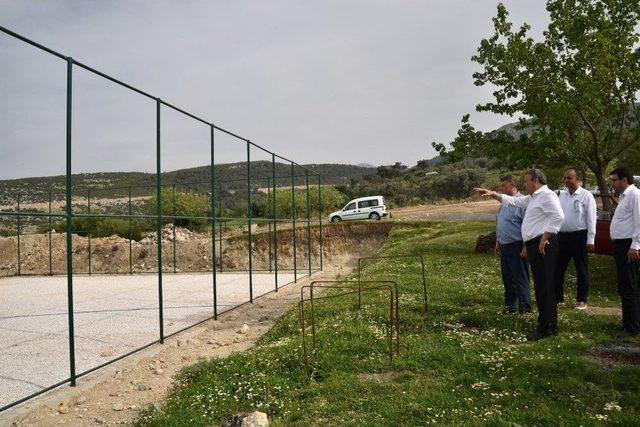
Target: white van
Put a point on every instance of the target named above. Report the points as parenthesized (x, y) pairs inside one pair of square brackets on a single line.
[(371, 207)]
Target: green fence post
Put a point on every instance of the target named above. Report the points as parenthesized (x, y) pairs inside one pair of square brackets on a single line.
[(69, 217), (173, 210), (222, 224), (130, 231), (90, 224), (273, 216), (308, 221), (320, 217), (249, 220), (50, 226), (213, 225), (293, 222), (19, 272), (159, 218), (269, 222)]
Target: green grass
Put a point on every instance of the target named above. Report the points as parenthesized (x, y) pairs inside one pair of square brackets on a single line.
[(466, 363)]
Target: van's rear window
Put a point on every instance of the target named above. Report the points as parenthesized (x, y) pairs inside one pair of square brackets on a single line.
[(368, 203)]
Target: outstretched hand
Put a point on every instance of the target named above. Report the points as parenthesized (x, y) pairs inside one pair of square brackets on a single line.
[(484, 192)]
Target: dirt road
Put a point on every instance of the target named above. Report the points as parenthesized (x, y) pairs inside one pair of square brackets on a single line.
[(474, 210)]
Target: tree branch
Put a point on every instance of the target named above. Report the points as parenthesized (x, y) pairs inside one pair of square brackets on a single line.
[(625, 147), (592, 130)]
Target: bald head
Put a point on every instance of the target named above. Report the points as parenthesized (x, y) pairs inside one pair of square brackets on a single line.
[(572, 179)]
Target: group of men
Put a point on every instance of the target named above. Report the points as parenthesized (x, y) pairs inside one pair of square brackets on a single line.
[(545, 231)]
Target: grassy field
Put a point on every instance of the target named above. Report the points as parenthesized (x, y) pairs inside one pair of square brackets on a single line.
[(466, 363)]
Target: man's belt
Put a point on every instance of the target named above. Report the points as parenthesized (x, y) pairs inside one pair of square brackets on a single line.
[(516, 243), (536, 240)]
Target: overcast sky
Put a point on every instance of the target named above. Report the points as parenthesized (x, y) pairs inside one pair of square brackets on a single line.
[(317, 81)]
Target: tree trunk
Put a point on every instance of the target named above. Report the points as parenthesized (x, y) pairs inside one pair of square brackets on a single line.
[(604, 188)]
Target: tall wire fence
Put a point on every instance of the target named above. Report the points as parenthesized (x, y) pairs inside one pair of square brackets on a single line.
[(244, 254)]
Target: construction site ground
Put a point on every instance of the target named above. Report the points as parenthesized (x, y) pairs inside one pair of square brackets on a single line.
[(117, 313)]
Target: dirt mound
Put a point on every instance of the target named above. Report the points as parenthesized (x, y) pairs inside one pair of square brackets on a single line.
[(189, 251), (169, 235)]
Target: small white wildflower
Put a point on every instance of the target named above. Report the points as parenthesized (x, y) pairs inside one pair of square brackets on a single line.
[(612, 406)]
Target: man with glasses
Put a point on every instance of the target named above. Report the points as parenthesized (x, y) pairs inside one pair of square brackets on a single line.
[(540, 226), (576, 238), (625, 233)]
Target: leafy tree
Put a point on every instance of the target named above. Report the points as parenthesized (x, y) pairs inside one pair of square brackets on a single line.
[(574, 92), (183, 204), (392, 171), (453, 182), (332, 200), (422, 164)]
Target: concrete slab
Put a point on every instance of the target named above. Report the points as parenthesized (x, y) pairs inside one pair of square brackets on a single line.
[(113, 315)]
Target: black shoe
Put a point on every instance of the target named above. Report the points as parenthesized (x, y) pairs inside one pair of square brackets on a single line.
[(626, 334), (538, 335)]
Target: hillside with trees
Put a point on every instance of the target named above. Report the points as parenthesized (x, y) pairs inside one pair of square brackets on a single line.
[(231, 179)]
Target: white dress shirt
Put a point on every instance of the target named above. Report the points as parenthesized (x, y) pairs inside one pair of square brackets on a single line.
[(626, 219), (543, 214), (579, 211)]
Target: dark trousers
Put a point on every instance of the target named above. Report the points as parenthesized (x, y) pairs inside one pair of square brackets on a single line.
[(573, 245), (628, 286), (515, 277), (543, 269)]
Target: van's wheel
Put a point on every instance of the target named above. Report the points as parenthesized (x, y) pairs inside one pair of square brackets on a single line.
[(336, 219), (374, 216)]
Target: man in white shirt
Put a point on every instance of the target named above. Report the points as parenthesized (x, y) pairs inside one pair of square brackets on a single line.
[(625, 233), (540, 227), (577, 236)]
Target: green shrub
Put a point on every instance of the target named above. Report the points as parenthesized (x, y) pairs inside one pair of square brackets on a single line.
[(183, 204), (103, 227), (331, 198)]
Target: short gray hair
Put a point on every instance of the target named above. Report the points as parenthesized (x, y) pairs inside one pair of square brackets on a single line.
[(510, 179), (537, 175)]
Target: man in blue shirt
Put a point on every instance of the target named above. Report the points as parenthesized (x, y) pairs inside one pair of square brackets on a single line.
[(514, 267)]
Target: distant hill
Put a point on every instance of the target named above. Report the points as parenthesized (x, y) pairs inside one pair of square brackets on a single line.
[(512, 129), (231, 177)]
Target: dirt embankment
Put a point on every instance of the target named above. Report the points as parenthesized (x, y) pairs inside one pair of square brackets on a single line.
[(192, 250)]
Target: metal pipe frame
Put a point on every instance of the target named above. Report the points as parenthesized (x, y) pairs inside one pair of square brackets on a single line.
[(368, 282), (394, 314)]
